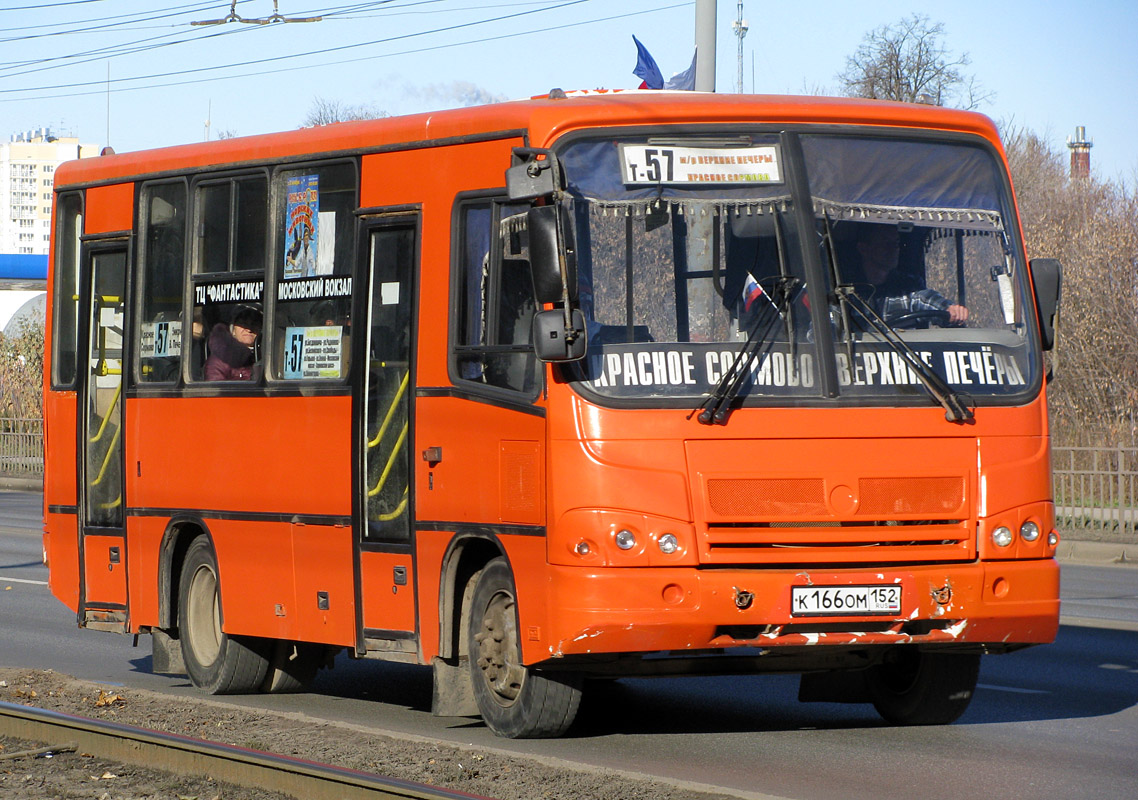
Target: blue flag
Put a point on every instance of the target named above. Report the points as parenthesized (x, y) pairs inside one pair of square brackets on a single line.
[(646, 68)]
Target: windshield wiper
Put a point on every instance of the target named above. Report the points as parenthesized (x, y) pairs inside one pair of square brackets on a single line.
[(955, 410), (717, 407)]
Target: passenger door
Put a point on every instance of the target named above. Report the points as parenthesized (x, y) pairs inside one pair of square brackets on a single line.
[(102, 548), (385, 438)]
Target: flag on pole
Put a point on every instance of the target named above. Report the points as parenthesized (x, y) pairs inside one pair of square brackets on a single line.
[(684, 81), (646, 68)]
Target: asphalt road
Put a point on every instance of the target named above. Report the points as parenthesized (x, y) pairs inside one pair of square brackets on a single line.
[(1054, 721)]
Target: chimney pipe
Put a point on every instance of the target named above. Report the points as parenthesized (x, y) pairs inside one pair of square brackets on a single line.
[(1080, 147)]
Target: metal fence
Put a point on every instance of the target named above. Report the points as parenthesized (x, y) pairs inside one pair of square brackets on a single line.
[(21, 448), (1096, 488)]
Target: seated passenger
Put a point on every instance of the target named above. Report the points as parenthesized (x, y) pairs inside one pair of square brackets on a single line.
[(895, 293), (231, 356)]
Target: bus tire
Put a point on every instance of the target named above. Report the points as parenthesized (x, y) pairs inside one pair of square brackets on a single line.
[(215, 661), (517, 702), (292, 666), (922, 688)]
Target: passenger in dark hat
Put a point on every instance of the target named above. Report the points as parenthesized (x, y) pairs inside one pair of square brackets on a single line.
[(231, 346)]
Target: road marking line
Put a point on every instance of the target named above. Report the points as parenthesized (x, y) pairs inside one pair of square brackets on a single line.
[(21, 580), (1012, 689)]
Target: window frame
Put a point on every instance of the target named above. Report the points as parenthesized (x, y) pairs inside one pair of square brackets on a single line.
[(142, 283), (195, 278), (496, 200), (278, 205), (58, 293)]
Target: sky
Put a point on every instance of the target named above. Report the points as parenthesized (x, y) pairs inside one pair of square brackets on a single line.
[(139, 75)]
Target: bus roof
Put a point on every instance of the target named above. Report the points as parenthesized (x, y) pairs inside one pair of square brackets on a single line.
[(542, 119)]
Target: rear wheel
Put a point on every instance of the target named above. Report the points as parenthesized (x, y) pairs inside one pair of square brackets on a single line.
[(292, 666), (916, 688), (215, 661), (516, 701)]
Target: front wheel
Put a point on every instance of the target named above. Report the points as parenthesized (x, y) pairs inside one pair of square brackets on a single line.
[(516, 702), (215, 661), (920, 688)]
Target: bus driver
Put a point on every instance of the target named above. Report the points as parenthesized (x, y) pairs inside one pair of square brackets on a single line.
[(895, 293)]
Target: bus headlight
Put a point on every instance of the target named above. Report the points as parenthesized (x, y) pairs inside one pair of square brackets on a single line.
[(625, 539), (1002, 536), (668, 544), (1029, 531)]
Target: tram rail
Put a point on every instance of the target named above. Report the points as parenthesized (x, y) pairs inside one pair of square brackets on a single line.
[(187, 756)]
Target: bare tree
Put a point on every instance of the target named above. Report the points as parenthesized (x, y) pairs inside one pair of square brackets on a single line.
[(907, 61), (21, 370), (1092, 227), (325, 112)]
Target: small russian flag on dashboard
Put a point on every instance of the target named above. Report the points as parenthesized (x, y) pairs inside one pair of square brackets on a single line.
[(751, 292)]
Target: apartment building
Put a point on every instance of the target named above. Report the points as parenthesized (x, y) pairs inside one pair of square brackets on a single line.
[(27, 167)]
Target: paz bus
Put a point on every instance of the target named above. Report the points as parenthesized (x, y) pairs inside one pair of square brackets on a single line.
[(560, 390)]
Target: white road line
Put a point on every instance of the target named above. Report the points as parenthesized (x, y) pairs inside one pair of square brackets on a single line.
[(1012, 689), (21, 580)]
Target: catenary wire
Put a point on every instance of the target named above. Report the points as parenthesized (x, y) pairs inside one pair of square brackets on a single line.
[(259, 73), (289, 56)]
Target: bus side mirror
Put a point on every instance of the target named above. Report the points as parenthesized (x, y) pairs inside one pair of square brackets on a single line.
[(534, 172), (1046, 280), (555, 341), (552, 253), (531, 180)]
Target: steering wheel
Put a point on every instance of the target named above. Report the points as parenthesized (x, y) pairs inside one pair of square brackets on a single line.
[(942, 319)]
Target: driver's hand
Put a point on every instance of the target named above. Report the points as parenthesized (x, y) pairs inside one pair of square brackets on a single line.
[(957, 314)]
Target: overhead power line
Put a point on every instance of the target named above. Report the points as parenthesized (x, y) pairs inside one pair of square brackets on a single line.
[(258, 73), (289, 56), (233, 16), (51, 5)]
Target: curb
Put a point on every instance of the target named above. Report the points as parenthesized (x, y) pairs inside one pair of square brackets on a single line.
[(1112, 553), (21, 484)]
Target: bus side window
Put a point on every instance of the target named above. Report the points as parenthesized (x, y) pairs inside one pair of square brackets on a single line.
[(315, 219), (496, 305), (69, 227), (164, 210), (231, 225)]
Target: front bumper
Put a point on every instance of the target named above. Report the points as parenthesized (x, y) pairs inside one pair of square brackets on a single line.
[(631, 610)]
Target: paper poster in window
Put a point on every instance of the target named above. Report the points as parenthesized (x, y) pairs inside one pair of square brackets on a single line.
[(326, 253), (302, 218)]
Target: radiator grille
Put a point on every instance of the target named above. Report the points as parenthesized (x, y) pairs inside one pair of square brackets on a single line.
[(797, 521), (763, 497), (885, 497)]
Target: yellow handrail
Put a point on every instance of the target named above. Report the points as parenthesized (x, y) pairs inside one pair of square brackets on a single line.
[(113, 504), (390, 461), (398, 512), (391, 411), (107, 418), (107, 458)]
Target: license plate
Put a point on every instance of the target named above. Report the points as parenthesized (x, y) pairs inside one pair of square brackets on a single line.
[(806, 601)]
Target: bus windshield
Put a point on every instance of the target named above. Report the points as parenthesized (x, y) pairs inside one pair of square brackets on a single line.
[(692, 259)]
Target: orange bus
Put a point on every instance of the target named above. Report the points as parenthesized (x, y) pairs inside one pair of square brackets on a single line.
[(586, 386)]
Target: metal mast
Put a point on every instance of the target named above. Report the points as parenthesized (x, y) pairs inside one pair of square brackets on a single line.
[(740, 28)]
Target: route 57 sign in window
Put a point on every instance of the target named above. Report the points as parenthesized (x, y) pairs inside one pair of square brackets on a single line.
[(651, 164)]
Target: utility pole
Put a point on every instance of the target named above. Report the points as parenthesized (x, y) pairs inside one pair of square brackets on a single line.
[(740, 28), (705, 45)]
